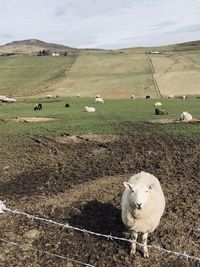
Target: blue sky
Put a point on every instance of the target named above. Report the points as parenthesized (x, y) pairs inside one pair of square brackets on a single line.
[(101, 23)]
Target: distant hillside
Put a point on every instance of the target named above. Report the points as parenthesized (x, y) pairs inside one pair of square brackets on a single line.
[(112, 74), (33, 46), (187, 46), (194, 45)]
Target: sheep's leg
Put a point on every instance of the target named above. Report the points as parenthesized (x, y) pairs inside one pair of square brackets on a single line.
[(134, 236), (145, 248)]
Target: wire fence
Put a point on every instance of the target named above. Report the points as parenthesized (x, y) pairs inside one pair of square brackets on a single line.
[(44, 252), (108, 237)]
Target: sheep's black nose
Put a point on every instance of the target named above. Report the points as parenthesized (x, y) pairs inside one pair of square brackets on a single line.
[(139, 205)]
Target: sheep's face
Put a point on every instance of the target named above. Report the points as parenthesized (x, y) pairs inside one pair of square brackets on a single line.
[(139, 194)]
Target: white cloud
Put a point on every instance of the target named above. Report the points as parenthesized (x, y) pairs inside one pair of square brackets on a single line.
[(101, 24)]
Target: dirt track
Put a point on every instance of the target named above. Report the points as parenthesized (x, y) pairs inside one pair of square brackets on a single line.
[(78, 180)]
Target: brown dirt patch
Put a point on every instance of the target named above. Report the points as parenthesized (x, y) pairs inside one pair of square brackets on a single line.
[(67, 139), (69, 183), (170, 121), (32, 119)]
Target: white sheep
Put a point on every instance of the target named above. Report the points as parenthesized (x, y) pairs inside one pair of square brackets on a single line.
[(90, 109), (143, 204), (158, 104), (97, 96), (49, 96), (185, 116), (99, 100), (7, 99), (183, 97), (132, 97)]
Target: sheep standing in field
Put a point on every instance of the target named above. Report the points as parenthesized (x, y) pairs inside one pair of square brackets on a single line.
[(90, 109), (132, 97), (159, 111), (38, 106), (158, 104), (97, 96), (185, 116), (143, 204), (49, 96), (99, 100), (7, 99)]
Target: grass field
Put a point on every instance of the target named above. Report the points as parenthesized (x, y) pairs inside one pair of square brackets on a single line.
[(31, 75), (112, 74), (110, 117), (178, 73)]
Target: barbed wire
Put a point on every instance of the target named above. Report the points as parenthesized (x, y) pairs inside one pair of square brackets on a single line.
[(45, 252), (159, 248)]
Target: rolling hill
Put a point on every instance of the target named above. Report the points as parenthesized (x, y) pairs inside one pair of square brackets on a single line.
[(33, 46), (113, 74)]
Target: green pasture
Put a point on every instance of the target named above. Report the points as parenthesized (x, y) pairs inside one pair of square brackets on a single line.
[(30, 75), (111, 74), (115, 116)]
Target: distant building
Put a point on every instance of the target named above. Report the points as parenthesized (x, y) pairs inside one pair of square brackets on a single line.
[(152, 52)]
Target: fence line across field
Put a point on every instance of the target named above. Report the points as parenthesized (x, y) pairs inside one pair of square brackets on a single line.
[(45, 252), (67, 226)]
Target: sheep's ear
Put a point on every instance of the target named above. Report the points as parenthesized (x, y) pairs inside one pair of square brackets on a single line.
[(128, 186)]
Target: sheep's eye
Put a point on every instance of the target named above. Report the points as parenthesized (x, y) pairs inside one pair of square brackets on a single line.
[(132, 191), (146, 191)]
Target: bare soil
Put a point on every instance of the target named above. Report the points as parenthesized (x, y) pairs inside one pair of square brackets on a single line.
[(81, 183), (170, 121), (32, 119)]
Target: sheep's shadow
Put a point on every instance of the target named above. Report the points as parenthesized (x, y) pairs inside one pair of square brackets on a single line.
[(103, 218), (99, 217)]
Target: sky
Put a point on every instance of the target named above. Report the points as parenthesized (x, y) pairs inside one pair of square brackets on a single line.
[(110, 24)]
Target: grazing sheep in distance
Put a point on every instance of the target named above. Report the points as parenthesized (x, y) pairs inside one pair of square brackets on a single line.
[(38, 106), (159, 111), (97, 96), (99, 100), (7, 99), (49, 96), (158, 104), (78, 95), (67, 105), (183, 97), (132, 97), (90, 109), (143, 204), (148, 96), (185, 116)]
